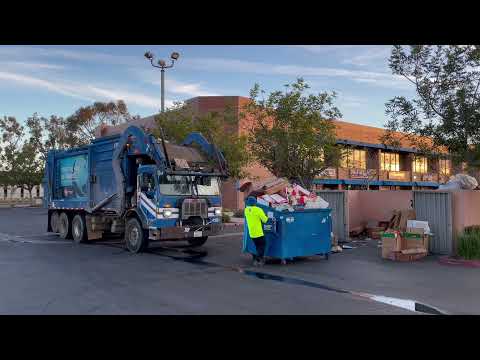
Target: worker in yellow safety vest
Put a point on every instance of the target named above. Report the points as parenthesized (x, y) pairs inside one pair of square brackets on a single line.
[(255, 217)]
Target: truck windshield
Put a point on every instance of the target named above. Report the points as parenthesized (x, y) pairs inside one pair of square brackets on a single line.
[(175, 185), (186, 185)]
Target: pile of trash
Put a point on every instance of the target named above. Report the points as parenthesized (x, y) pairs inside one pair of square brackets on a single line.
[(281, 195), (460, 182)]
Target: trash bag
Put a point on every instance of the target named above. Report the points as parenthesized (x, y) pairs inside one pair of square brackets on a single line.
[(460, 182)]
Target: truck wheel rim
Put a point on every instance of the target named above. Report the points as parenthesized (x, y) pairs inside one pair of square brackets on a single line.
[(134, 236), (76, 229), (63, 226)]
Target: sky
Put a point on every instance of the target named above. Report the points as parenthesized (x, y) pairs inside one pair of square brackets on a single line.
[(57, 80)]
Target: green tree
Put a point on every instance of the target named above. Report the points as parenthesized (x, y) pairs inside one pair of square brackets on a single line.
[(21, 156), (81, 126), (12, 133), (29, 168), (218, 128), (292, 133), (445, 114)]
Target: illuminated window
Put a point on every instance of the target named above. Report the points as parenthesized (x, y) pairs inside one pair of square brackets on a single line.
[(354, 158), (420, 165), (445, 167), (390, 161)]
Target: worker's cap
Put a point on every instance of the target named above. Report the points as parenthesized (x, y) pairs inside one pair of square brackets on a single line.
[(251, 201)]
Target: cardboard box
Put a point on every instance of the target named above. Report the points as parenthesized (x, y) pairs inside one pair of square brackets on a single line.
[(399, 256), (391, 242), (414, 238)]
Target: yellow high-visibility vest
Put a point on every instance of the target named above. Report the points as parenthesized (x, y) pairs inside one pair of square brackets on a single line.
[(255, 216)]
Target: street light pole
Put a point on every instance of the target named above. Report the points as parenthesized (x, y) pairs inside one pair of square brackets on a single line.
[(162, 65), (162, 85)]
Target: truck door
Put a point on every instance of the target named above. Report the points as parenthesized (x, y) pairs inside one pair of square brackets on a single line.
[(146, 195)]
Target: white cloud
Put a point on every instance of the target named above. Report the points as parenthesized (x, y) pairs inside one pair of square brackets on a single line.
[(25, 80), (370, 56), (178, 87), (85, 91), (24, 65), (240, 66), (66, 54), (322, 49)]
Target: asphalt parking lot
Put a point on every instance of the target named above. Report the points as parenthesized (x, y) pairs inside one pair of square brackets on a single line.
[(42, 274)]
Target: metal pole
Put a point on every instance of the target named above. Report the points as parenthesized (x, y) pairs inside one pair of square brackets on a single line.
[(163, 90)]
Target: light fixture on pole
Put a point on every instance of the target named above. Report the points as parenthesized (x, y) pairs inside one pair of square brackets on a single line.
[(162, 65)]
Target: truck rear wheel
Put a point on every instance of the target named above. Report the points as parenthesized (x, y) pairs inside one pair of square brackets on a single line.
[(64, 226), (54, 220), (136, 239), (79, 230), (197, 241)]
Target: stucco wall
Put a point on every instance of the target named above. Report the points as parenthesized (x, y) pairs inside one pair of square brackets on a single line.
[(466, 209), (364, 206)]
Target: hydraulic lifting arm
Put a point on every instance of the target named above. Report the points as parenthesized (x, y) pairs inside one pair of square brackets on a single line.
[(210, 149)]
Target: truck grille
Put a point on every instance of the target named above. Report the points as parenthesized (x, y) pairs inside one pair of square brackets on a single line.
[(194, 207)]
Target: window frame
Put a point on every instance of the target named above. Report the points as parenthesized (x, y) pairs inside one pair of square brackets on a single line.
[(390, 155), (354, 157), (421, 168), (448, 165)]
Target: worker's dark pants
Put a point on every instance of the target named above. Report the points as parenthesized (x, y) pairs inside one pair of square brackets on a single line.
[(260, 245)]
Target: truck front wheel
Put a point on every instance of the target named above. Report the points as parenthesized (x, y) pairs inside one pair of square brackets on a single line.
[(136, 239), (197, 241), (64, 227), (79, 230)]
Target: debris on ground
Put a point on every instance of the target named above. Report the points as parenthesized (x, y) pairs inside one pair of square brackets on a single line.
[(400, 218), (337, 249), (357, 231)]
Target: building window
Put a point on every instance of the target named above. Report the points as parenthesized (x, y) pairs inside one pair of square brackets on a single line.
[(390, 161), (445, 167), (354, 158), (420, 165)]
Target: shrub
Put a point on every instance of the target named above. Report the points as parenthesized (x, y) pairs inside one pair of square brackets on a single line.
[(472, 228), (239, 213), (225, 218), (469, 244)]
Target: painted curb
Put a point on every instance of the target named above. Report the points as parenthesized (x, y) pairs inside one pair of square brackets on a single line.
[(447, 260)]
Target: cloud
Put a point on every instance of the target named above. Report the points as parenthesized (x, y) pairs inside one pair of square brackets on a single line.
[(137, 64), (240, 66), (85, 91), (67, 54), (24, 65), (370, 56), (25, 80), (129, 97), (322, 49), (178, 87)]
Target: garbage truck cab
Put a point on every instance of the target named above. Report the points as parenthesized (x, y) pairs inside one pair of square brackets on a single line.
[(178, 206)]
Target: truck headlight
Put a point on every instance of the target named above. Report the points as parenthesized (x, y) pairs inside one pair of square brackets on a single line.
[(167, 213), (218, 212)]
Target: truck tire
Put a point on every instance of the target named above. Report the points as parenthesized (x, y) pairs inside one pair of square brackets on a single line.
[(79, 229), (54, 220), (197, 241), (64, 226), (136, 239)]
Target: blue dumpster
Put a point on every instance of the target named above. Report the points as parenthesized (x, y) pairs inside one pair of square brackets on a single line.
[(303, 232)]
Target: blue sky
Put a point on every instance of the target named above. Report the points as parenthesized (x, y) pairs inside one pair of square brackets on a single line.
[(59, 79)]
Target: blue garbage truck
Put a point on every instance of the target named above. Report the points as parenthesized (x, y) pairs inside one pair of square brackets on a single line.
[(137, 186)]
